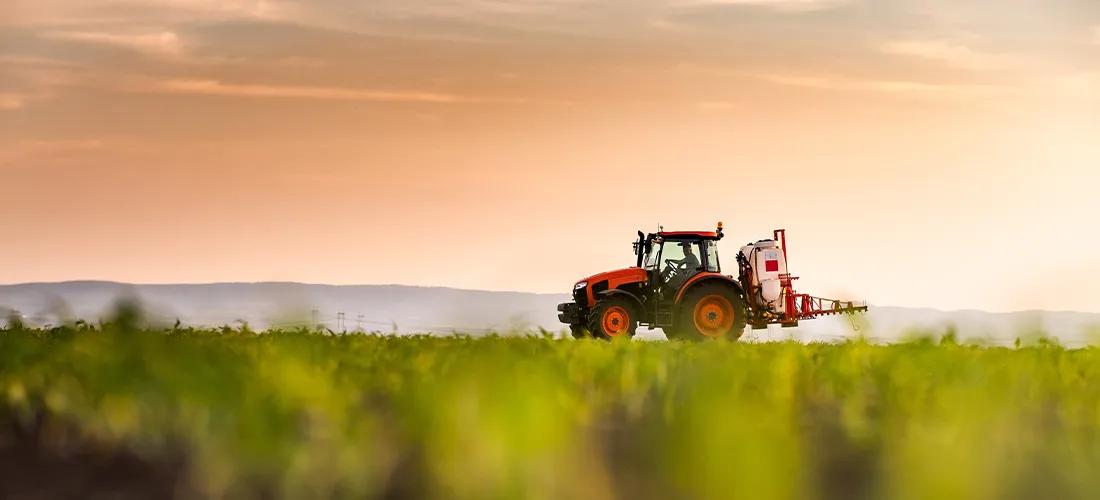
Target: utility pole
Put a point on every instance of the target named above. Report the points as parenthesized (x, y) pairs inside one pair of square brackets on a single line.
[(314, 327), (340, 321), (359, 323)]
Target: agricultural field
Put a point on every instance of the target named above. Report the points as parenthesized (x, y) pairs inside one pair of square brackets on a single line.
[(179, 413)]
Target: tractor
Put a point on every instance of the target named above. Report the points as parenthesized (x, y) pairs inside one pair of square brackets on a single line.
[(677, 284)]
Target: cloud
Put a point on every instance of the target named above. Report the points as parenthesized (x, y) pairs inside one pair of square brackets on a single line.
[(329, 13), (29, 79), (905, 88), (788, 6), (206, 58), (19, 100), (261, 9), (62, 145), (717, 105), (952, 54), (117, 12), (33, 61), (511, 6), (11, 101), (463, 8), (162, 42), (24, 152), (216, 88), (667, 25)]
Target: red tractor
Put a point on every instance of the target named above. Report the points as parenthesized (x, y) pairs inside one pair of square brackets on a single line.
[(677, 285)]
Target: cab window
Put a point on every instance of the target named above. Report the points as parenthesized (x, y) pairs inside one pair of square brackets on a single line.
[(712, 257), (653, 259)]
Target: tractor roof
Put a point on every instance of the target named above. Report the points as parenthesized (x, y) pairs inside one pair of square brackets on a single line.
[(688, 235)]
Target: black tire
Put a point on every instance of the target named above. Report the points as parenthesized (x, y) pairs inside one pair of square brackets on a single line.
[(613, 317), (721, 313), (579, 332)]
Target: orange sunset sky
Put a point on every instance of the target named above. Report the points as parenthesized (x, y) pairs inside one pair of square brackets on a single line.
[(925, 153)]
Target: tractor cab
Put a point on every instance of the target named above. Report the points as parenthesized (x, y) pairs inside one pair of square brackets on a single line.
[(670, 259)]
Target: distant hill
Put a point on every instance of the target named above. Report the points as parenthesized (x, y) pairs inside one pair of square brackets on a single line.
[(408, 309)]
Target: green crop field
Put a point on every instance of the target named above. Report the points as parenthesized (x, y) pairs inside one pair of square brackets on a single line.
[(236, 414)]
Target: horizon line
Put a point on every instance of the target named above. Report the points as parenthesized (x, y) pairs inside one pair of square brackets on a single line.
[(444, 287)]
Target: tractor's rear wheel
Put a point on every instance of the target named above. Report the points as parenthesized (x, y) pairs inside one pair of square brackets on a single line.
[(711, 311), (613, 317)]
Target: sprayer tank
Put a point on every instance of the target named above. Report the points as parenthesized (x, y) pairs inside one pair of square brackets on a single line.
[(767, 263)]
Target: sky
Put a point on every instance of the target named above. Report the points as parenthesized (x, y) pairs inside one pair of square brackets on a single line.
[(922, 153)]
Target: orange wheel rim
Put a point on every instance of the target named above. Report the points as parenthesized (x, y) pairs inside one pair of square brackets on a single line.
[(616, 321), (713, 316)]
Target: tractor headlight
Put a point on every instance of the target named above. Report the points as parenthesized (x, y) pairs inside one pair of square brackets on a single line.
[(580, 285)]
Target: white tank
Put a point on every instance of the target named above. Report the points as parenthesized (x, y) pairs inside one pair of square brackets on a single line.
[(767, 263)]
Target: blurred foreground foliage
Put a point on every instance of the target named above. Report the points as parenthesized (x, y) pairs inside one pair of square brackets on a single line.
[(299, 414)]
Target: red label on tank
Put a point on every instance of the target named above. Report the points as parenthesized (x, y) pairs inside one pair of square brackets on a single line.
[(771, 266)]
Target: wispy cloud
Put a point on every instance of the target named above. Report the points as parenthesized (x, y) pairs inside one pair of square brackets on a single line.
[(11, 100), (205, 59), (902, 88), (217, 88), (31, 79), (68, 145), (25, 61), (115, 12), (262, 9), (509, 6), (161, 42), (212, 87), (953, 54), (667, 25), (18, 100), (24, 152), (717, 105), (165, 44), (464, 8), (789, 6)]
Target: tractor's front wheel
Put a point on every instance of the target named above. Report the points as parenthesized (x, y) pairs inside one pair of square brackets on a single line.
[(711, 311), (613, 317)]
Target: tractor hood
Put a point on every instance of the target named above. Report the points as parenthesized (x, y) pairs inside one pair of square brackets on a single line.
[(614, 278)]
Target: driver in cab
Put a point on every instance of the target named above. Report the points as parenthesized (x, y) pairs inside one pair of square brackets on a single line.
[(690, 262), (682, 269)]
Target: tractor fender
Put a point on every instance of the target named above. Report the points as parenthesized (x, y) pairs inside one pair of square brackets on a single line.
[(708, 278), (633, 298)]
